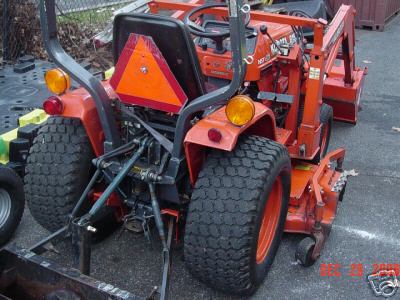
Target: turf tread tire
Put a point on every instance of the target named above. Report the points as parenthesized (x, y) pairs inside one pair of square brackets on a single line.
[(13, 185), (221, 232), (57, 170)]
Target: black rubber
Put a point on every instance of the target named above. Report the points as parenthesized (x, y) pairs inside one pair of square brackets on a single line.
[(226, 210), (342, 192), (13, 185), (304, 251), (326, 119), (57, 171)]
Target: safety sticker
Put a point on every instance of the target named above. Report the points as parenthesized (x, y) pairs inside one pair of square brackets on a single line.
[(314, 73)]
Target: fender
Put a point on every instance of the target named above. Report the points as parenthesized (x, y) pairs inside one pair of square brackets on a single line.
[(197, 141), (80, 105)]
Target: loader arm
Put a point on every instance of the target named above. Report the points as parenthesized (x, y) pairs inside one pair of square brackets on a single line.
[(343, 83)]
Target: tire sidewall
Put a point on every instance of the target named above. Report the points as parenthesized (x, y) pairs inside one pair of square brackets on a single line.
[(281, 170), (13, 185), (326, 119), (326, 126)]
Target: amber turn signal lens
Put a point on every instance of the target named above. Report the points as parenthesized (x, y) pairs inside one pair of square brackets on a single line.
[(240, 110), (57, 81)]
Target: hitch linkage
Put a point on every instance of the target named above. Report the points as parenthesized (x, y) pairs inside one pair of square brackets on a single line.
[(81, 228)]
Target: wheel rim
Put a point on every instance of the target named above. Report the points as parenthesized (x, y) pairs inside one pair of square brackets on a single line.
[(269, 221), (324, 140), (5, 206)]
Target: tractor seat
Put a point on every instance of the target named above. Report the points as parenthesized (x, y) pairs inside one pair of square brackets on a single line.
[(312, 8), (173, 40)]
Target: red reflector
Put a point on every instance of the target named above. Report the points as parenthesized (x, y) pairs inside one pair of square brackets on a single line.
[(214, 135), (53, 106)]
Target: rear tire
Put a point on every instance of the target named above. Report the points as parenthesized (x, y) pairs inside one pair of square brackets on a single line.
[(57, 170), (223, 235), (12, 203)]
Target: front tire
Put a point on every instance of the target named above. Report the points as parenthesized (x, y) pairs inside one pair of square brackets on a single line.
[(12, 203), (237, 214), (326, 119), (57, 170)]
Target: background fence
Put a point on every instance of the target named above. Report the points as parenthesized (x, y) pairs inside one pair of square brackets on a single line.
[(79, 21)]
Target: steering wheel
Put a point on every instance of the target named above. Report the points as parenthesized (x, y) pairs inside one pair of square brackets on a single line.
[(199, 30)]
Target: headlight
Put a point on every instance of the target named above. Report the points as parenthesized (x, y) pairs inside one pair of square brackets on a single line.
[(240, 110), (57, 81)]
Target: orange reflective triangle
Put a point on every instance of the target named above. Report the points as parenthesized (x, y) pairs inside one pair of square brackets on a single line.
[(144, 78)]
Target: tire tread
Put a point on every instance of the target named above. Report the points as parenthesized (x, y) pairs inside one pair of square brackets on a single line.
[(57, 169), (223, 212)]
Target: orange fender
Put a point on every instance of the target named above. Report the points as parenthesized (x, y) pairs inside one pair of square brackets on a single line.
[(79, 104), (196, 140)]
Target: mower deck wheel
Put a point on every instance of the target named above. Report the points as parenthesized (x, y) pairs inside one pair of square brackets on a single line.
[(12, 203), (304, 252), (237, 214)]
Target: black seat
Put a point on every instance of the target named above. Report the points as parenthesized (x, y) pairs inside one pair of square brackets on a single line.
[(311, 8), (174, 41)]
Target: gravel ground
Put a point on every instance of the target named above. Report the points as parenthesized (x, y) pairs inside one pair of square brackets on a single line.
[(366, 230)]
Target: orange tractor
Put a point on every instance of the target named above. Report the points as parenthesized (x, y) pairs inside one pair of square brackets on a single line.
[(213, 130)]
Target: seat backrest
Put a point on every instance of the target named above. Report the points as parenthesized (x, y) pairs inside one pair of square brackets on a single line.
[(173, 40)]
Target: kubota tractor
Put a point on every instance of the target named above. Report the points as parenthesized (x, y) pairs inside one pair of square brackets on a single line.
[(213, 129)]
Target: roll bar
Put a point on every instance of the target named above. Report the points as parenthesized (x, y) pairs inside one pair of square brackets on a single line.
[(103, 104), (48, 23), (238, 40)]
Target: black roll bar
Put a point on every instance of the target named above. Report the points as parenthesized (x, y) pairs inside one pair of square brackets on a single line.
[(238, 42), (48, 23), (99, 95)]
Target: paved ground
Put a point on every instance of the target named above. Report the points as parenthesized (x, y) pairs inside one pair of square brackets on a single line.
[(367, 229)]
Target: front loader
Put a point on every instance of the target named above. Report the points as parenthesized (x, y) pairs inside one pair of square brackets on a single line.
[(213, 131)]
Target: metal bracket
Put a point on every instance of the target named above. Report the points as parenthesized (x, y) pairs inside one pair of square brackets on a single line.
[(282, 98), (167, 254), (82, 238)]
